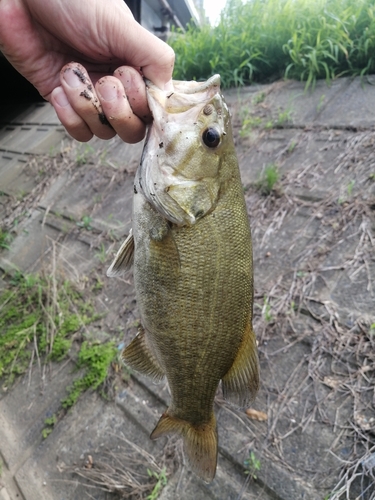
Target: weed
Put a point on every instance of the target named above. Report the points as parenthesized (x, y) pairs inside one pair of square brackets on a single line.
[(320, 103), (35, 311), (85, 222), (371, 177), (21, 194), (283, 118), (252, 465), (349, 191), (5, 239), (350, 188), (83, 154), (292, 146), (98, 284), (102, 254), (268, 179), (249, 122), (95, 359), (49, 425), (266, 311), (269, 124), (259, 97), (161, 481)]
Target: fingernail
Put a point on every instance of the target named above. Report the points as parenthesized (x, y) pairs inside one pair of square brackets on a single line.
[(72, 78), (108, 91), (60, 97), (168, 86), (127, 80)]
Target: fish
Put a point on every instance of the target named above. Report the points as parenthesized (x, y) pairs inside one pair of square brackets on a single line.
[(191, 252)]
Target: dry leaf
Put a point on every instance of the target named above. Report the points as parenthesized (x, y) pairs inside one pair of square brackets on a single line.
[(364, 422), (256, 415), (332, 382)]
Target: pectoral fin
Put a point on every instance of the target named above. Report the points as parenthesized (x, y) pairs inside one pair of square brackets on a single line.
[(124, 258), (240, 384), (138, 355)]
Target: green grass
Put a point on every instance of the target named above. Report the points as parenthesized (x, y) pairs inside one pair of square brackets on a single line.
[(38, 317), (95, 358), (161, 481), (268, 179), (5, 239), (263, 40), (85, 223), (252, 465)]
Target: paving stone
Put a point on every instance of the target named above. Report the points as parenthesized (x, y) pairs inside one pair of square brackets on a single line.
[(31, 139), (185, 486), (4, 495), (140, 405), (118, 154), (21, 429), (93, 193), (12, 168), (90, 427), (353, 106), (40, 113), (34, 240)]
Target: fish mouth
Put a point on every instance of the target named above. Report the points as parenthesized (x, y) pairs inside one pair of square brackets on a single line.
[(186, 95), (192, 87)]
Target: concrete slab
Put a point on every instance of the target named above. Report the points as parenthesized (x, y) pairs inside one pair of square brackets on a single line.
[(91, 426), (40, 113), (353, 106), (31, 139), (32, 242), (41, 394), (98, 193)]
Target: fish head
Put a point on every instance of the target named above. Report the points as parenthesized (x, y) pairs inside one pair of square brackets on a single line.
[(180, 171)]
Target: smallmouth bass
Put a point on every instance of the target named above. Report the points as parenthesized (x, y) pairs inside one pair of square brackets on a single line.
[(190, 247)]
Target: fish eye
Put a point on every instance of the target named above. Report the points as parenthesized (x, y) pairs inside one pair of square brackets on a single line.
[(211, 137)]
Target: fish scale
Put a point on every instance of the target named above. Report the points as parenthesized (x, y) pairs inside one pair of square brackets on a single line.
[(192, 260)]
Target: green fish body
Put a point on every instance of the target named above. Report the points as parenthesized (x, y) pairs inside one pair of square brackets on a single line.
[(190, 247)]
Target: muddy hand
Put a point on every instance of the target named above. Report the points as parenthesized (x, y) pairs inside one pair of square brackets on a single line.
[(102, 106)]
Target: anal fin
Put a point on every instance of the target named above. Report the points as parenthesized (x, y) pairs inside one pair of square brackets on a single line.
[(138, 355), (124, 258), (241, 382), (200, 442)]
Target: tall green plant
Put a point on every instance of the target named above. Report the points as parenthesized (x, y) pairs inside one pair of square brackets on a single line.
[(259, 40)]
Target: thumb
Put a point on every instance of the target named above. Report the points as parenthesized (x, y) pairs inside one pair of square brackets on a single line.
[(140, 48)]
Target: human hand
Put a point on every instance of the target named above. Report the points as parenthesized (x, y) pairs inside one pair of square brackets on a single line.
[(39, 38)]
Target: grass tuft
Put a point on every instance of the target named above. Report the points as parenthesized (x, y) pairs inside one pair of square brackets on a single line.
[(268, 179)]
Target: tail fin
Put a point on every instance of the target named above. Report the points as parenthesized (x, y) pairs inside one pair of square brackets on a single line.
[(200, 442)]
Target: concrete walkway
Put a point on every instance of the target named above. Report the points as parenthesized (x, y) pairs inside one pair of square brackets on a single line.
[(314, 247)]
